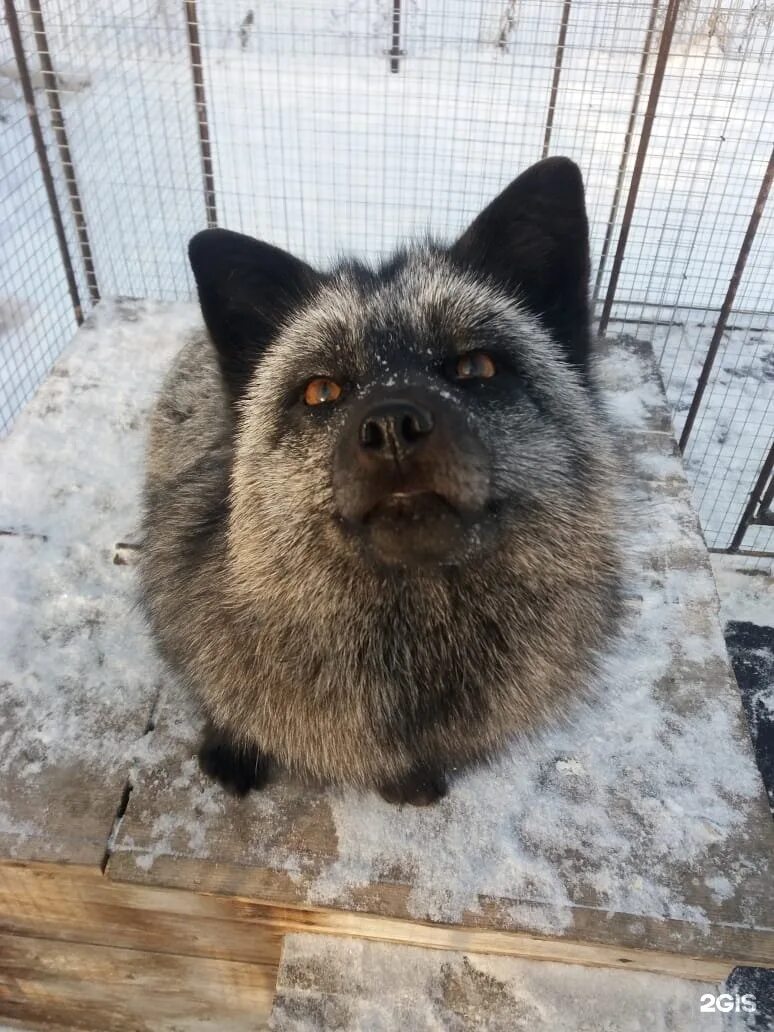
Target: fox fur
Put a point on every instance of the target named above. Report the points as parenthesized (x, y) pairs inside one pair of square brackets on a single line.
[(384, 617)]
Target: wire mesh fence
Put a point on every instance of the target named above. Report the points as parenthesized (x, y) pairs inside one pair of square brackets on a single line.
[(328, 127)]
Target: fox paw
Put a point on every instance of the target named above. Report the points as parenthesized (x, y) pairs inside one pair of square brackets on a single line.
[(236, 767), (420, 787)]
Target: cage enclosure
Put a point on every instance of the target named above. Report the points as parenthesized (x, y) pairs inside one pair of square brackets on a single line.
[(330, 128), (634, 837)]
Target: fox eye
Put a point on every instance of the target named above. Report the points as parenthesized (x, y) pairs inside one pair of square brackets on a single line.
[(321, 391), (476, 365)]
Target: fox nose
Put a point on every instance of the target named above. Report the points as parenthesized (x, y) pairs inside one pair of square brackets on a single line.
[(394, 429)]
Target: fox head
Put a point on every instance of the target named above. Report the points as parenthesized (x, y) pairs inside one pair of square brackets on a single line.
[(419, 416)]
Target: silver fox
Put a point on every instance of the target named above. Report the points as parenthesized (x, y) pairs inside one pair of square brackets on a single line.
[(379, 535)]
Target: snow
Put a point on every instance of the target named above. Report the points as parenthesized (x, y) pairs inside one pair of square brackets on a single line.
[(746, 589), (77, 675), (326, 982)]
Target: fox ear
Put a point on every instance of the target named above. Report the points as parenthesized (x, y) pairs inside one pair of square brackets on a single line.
[(246, 288), (534, 240)]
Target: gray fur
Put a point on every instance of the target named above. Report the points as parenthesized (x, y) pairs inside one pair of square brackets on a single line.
[(293, 640)]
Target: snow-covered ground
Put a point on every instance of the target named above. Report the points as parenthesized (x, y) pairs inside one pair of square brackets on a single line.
[(317, 147)]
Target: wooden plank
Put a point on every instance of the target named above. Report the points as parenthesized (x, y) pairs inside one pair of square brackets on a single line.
[(327, 983), (77, 905), (381, 911), (643, 825), (79, 986), (77, 677)]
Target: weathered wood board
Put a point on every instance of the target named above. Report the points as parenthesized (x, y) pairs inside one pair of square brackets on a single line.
[(637, 834), (78, 951), (327, 982), (43, 982), (78, 681)]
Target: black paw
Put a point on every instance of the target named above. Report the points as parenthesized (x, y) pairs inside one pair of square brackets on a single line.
[(420, 787), (236, 767)]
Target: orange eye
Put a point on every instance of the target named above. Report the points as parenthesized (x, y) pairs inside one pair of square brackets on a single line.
[(321, 391), (476, 365)]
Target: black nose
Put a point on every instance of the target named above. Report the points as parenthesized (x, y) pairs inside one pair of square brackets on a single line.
[(394, 429)]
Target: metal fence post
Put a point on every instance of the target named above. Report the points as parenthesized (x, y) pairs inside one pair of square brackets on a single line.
[(42, 155), (51, 88), (757, 511), (200, 97), (395, 51), (557, 76), (667, 33), (728, 301), (646, 49)]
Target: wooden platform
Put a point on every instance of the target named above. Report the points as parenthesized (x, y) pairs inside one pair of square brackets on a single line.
[(635, 837)]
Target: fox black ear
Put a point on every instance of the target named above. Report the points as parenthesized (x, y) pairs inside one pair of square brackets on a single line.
[(246, 288), (534, 240)]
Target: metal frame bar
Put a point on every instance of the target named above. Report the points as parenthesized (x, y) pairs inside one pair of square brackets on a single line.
[(725, 311), (200, 97), (665, 45), (51, 87), (646, 49), (754, 505), (42, 155), (768, 498), (560, 43), (395, 51), (747, 553)]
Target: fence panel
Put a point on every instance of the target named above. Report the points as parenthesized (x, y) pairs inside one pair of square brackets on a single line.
[(330, 127)]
